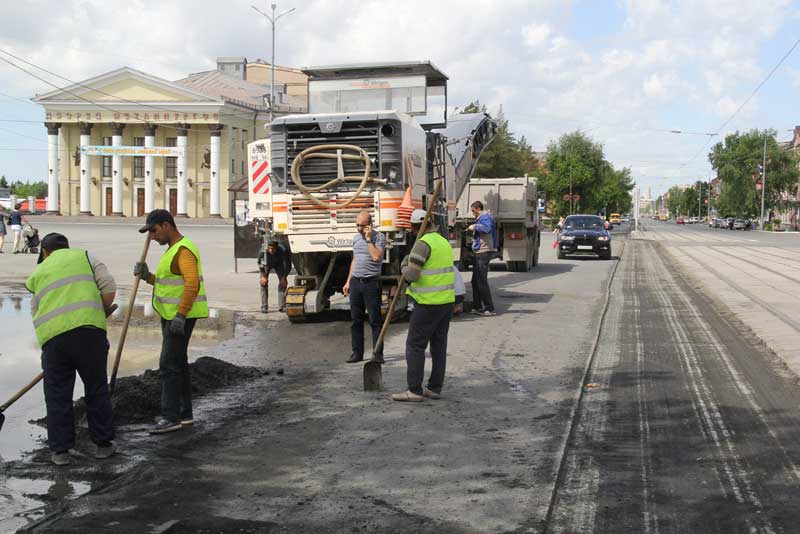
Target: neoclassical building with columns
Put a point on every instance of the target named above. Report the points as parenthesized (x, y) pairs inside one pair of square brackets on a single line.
[(127, 142)]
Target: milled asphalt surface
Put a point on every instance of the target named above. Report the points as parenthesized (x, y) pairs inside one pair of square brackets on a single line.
[(690, 423), (311, 452)]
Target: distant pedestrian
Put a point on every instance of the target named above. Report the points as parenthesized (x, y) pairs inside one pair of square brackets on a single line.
[(16, 219), (3, 230), (429, 268), (179, 297), (73, 293), (484, 247), (274, 257), (363, 286)]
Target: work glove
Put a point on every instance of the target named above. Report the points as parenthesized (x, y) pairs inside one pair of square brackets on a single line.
[(177, 325), (141, 270)]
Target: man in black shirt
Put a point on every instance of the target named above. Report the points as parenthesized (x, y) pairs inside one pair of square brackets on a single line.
[(274, 256)]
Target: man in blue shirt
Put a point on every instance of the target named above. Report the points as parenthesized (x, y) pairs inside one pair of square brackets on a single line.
[(364, 286), (484, 247)]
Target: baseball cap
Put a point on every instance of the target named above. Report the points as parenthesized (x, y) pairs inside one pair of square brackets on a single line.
[(417, 216), (51, 242), (155, 217)]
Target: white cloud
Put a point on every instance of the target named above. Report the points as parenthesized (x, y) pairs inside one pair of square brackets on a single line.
[(536, 35), (522, 54)]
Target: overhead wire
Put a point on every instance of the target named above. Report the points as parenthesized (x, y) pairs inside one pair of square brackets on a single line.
[(747, 100), (69, 90)]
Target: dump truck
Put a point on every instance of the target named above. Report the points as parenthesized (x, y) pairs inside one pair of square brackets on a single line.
[(513, 202), (376, 138)]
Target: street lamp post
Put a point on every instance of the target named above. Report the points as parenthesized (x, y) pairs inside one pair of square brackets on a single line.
[(273, 19), (763, 181)]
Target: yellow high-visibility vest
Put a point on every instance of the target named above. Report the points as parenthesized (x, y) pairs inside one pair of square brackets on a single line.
[(65, 295), (436, 285), (168, 288)]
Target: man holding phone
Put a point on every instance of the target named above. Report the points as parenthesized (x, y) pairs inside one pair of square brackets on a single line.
[(363, 285)]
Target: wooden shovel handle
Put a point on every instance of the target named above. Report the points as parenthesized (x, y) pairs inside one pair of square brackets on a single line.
[(21, 392), (127, 320)]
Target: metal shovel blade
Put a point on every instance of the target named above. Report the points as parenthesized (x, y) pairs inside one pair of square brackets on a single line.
[(373, 376)]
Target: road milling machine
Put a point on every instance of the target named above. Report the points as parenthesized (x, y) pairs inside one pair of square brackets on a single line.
[(376, 138)]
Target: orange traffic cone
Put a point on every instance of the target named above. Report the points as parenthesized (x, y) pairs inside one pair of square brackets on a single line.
[(405, 210)]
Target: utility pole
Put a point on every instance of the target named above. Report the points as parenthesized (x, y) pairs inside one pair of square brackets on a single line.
[(273, 19), (763, 181), (570, 196), (699, 198)]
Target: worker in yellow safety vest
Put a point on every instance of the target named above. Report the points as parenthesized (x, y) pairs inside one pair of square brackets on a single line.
[(179, 297), (429, 268), (73, 293)]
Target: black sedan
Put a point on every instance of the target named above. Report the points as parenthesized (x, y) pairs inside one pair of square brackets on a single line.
[(584, 234)]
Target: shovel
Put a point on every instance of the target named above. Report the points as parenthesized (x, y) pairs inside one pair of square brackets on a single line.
[(17, 395), (373, 371), (127, 320), (32, 383)]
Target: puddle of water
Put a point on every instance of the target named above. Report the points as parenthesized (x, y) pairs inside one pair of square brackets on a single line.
[(23, 498), (20, 360)]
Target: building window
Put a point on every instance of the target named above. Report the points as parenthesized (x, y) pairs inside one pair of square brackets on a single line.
[(107, 159), (171, 169), (233, 168), (242, 167), (244, 139), (138, 161)]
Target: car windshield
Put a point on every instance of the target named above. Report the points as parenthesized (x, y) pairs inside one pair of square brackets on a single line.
[(573, 223)]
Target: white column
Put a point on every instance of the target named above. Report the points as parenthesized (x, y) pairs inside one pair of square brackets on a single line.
[(149, 170), (215, 148), (182, 174), (85, 171), (52, 167), (116, 173)]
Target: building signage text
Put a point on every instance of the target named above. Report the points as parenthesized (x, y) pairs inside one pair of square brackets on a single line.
[(162, 151), (107, 116)]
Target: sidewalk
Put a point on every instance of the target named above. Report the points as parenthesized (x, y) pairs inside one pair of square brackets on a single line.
[(137, 221)]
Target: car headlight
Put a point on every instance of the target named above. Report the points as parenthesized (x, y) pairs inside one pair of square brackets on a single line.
[(602, 238), (567, 238)]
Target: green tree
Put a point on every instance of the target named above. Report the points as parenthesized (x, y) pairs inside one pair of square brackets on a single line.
[(505, 157), (576, 162), (23, 190), (737, 162), (3, 181)]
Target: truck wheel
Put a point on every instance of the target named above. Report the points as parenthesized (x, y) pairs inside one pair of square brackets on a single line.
[(535, 260)]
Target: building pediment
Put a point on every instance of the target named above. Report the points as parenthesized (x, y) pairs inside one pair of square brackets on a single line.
[(124, 85)]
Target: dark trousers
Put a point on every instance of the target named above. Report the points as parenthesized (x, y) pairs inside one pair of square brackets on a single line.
[(173, 366), (283, 282), (481, 293), (428, 324), (84, 350), (365, 296)]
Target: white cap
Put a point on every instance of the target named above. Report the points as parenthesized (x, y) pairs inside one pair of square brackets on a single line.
[(418, 216)]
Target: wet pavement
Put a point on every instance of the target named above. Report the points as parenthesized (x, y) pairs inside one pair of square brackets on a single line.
[(20, 362)]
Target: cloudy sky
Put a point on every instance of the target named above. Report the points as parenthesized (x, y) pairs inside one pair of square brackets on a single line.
[(625, 71)]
